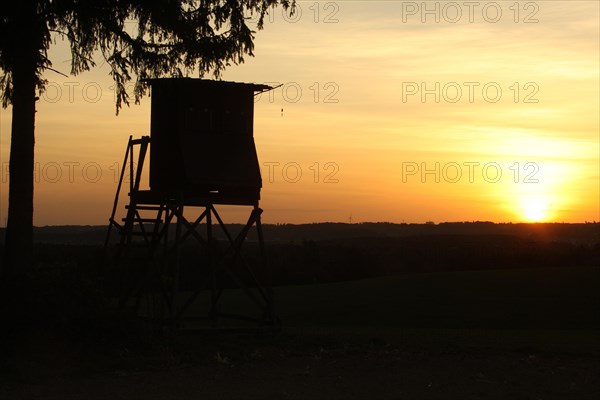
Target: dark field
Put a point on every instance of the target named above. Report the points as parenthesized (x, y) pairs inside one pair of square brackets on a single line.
[(415, 326)]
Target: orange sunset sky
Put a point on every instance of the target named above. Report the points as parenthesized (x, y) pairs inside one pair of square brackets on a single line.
[(392, 111)]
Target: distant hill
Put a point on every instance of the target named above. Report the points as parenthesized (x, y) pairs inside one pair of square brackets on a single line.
[(580, 233), (332, 252)]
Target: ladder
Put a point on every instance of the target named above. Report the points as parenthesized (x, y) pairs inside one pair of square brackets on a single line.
[(155, 284)]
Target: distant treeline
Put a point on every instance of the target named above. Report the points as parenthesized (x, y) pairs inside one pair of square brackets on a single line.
[(345, 259), (587, 233), (329, 252)]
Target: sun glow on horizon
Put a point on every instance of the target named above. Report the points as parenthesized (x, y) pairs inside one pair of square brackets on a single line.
[(536, 208)]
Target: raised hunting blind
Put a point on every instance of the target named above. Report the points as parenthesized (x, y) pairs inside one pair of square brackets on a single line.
[(202, 154), (202, 138)]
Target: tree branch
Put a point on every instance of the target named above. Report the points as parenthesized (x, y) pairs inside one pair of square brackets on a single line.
[(58, 72)]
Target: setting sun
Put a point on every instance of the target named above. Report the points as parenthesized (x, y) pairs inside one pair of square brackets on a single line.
[(536, 208)]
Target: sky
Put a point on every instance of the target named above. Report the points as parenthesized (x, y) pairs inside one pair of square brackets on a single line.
[(394, 111)]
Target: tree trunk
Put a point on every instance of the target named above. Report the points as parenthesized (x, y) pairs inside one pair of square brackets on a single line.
[(19, 229)]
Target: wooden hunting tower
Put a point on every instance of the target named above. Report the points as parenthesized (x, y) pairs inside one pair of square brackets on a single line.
[(202, 154), (202, 139)]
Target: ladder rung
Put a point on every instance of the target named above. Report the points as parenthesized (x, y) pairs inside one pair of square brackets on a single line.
[(144, 220), (140, 140), (148, 208)]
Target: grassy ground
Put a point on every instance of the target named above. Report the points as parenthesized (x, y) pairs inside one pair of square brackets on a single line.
[(547, 309), (518, 334)]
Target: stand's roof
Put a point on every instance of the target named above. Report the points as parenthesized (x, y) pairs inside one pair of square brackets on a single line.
[(208, 84)]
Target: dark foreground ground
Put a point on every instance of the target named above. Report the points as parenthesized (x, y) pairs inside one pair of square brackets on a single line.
[(307, 367), (503, 334), (369, 311)]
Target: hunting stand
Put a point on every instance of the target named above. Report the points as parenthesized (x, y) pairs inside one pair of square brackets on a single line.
[(202, 155)]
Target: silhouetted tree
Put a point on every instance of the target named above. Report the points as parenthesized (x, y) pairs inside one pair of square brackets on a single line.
[(137, 38)]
